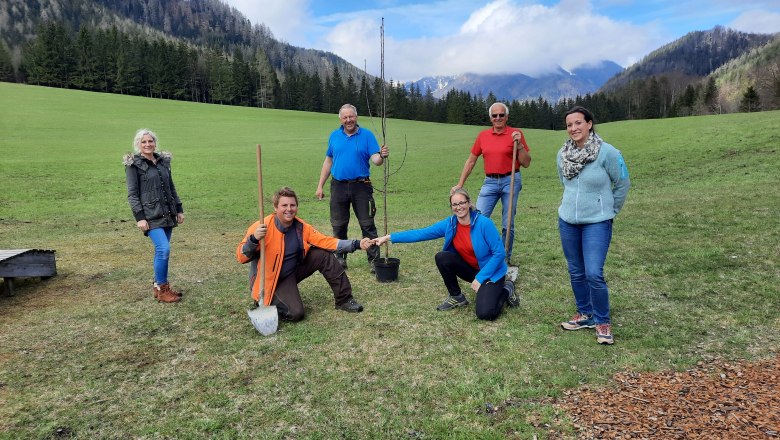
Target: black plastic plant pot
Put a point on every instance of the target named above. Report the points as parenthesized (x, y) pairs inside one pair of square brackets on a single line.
[(386, 269)]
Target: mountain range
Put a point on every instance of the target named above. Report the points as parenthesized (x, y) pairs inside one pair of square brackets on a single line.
[(551, 87), (725, 60), (731, 61)]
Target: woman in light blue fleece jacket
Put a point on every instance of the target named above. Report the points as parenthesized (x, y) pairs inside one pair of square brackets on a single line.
[(472, 251), (595, 185)]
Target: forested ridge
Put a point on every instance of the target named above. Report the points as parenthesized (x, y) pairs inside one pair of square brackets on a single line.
[(715, 71)]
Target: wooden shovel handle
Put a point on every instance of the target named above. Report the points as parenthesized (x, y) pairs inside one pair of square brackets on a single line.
[(262, 218), (511, 219)]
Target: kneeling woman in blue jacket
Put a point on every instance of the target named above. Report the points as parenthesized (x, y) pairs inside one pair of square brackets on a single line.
[(472, 252)]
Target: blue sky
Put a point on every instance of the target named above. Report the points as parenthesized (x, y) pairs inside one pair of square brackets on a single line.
[(434, 37)]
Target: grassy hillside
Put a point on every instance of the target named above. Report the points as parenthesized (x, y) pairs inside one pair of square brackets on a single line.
[(693, 271)]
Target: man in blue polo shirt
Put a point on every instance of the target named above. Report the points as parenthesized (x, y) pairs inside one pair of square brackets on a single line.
[(349, 150)]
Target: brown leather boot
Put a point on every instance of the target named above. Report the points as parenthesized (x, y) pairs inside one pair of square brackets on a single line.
[(156, 289), (166, 295), (175, 292)]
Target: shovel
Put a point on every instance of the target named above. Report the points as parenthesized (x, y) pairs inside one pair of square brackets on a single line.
[(512, 271), (264, 318)]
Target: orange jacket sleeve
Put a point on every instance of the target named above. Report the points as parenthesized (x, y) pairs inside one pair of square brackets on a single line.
[(246, 250)]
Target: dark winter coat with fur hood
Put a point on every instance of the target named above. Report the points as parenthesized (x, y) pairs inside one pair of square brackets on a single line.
[(150, 190)]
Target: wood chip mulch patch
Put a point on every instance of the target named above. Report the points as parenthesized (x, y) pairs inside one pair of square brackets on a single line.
[(715, 400)]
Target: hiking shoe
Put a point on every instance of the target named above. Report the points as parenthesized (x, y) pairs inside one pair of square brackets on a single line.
[(351, 306), (579, 321), (604, 334), (512, 299), (453, 301)]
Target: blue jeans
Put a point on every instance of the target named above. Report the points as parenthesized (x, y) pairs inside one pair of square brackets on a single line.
[(161, 237), (493, 189), (585, 248)]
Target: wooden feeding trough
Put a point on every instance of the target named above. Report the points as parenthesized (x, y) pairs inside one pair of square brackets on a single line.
[(16, 263)]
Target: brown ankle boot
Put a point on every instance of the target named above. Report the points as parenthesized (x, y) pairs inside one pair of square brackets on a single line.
[(166, 295), (156, 288), (175, 292)]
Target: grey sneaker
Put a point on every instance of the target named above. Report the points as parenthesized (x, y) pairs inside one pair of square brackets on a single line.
[(512, 299), (453, 301), (604, 334), (579, 321)]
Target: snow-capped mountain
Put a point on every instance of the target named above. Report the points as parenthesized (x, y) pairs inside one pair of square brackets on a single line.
[(551, 87)]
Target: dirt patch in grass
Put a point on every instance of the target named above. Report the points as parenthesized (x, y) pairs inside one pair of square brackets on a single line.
[(715, 400)]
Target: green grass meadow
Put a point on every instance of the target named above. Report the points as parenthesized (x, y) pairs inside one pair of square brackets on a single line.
[(693, 271)]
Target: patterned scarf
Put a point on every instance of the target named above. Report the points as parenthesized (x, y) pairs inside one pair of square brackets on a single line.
[(574, 158)]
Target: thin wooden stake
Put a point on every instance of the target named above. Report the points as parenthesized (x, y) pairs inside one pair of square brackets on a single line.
[(384, 128)]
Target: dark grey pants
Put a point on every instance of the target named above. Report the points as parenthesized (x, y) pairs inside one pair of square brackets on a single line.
[(359, 196), (287, 297)]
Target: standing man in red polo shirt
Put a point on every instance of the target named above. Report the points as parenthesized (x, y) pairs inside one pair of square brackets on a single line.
[(495, 145)]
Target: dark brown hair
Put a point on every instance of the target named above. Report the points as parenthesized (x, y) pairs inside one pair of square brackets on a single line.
[(284, 191), (585, 112)]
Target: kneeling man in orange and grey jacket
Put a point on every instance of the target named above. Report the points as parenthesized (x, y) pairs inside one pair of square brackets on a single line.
[(294, 250)]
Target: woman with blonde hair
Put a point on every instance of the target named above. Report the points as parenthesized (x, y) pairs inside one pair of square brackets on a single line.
[(155, 204)]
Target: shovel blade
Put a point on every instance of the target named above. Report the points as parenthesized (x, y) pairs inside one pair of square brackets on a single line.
[(265, 319), (512, 272)]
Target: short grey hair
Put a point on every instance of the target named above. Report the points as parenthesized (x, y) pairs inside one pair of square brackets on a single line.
[(506, 108), (139, 135), (348, 106)]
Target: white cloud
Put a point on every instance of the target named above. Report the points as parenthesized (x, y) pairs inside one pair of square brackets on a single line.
[(287, 19), (757, 21), (501, 37), (357, 41), (482, 16)]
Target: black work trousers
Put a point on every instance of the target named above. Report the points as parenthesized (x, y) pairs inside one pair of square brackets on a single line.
[(359, 196)]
